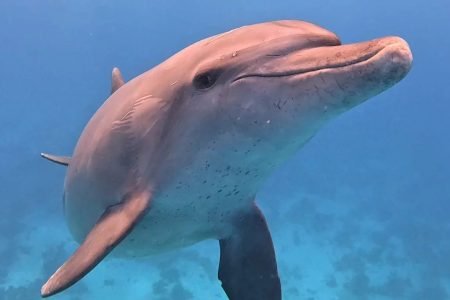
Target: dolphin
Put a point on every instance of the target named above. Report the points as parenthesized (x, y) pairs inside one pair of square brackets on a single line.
[(176, 155)]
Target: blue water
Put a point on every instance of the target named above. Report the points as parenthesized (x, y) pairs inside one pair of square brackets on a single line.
[(360, 213)]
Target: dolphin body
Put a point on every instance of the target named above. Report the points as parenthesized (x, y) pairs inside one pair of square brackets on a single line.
[(176, 155)]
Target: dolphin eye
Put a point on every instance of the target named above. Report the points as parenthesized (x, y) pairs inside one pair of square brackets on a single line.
[(205, 80)]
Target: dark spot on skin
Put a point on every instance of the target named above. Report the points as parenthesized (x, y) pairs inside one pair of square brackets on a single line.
[(219, 191), (207, 197), (237, 192), (204, 181), (248, 172)]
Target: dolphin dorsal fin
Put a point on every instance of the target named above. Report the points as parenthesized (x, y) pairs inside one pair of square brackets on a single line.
[(116, 80), (62, 160), (113, 226)]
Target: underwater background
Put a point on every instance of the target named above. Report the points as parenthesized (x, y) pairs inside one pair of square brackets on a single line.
[(361, 212)]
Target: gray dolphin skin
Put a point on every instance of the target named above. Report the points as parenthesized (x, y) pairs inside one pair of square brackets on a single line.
[(176, 155)]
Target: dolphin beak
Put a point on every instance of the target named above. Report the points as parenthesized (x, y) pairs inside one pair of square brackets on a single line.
[(391, 52), (388, 52), (346, 75)]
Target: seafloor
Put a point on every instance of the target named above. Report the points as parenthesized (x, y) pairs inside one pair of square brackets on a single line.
[(346, 236)]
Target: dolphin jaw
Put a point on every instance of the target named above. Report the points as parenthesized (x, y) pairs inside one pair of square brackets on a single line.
[(300, 71), (394, 49)]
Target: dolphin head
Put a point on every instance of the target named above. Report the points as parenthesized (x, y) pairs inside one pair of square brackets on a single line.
[(280, 81), (258, 93)]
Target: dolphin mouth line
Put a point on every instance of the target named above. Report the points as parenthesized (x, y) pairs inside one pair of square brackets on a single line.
[(361, 59)]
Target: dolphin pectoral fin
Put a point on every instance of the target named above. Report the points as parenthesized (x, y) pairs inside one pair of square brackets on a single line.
[(62, 160), (116, 80), (113, 226), (248, 268)]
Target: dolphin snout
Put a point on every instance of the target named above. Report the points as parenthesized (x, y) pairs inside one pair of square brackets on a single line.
[(395, 58)]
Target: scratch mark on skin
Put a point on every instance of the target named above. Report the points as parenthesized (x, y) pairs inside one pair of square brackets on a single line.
[(280, 103), (274, 55), (339, 85), (321, 77)]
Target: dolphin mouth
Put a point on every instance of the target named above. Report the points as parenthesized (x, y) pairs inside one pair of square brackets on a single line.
[(388, 50)]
